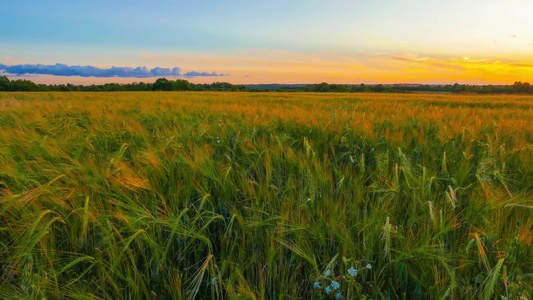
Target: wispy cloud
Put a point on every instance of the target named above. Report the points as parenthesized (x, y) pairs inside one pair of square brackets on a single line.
[(525, 65), (197, 74), (91, 71)]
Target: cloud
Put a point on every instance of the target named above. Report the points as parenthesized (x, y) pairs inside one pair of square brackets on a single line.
[(197, 74), (429, 61), (525, 65), (91, 71)]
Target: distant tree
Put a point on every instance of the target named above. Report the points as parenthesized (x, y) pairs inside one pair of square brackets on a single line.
[(44, 88), (359, 88), (63, 88), (181, 85), (521, 88), (24, 86), (526, 87), (113, 87), (141, 86), (162, 84), (4, 84), (321, 87), (93, 88), (73, 87), (338, 88), (457, 88), (197, 87), (378, 88), (221, 86)]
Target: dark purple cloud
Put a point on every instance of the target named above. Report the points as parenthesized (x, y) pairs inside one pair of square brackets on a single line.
[(90, 71)]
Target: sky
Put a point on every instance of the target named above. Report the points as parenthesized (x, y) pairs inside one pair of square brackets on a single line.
[(246, 42)]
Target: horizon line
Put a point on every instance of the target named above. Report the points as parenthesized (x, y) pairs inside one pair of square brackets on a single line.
[(29, 77)]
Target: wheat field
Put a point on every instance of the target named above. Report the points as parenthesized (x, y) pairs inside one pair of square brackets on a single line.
[(171, 195)]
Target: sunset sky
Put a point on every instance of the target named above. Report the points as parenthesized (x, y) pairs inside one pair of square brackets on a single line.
[(242, 42)]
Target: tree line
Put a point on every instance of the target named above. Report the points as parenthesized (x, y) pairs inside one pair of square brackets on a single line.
[(163, 84), (516, 88)]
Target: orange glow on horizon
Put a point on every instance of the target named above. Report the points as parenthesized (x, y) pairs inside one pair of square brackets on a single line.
[(266, 66)]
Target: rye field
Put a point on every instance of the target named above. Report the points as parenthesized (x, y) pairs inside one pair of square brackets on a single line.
[(170, 195)]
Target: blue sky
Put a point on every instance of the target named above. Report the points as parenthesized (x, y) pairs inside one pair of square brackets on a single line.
[(277, 41)]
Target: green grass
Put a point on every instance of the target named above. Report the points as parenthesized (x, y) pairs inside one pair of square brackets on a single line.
[(255, 196)]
